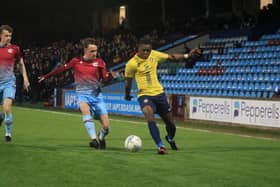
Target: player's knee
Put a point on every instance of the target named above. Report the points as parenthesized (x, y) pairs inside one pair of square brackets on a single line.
[(7, 108), (150, 119), (169, 121), (167, 118), (148, 112), (84, 108)]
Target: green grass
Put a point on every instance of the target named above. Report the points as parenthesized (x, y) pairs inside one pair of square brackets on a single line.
[(51, 149)]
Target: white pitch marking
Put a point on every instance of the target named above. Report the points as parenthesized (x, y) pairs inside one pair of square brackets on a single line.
[(144, 123)]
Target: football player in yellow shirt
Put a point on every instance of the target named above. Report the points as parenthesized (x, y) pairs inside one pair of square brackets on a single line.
[(151, 97)]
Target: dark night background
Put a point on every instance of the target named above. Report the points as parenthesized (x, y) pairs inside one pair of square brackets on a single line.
[(52, 20)]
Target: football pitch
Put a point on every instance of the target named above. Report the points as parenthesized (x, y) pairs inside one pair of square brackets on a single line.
[(51, 149)]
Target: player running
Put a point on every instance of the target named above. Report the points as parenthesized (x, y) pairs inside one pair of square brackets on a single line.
[(9, 54), (151, 97), (89, 73)]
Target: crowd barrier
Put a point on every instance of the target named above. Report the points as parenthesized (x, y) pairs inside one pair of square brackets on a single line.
[(265, 113)]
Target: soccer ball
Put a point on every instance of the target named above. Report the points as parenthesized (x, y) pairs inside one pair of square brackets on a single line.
[(133, 143)]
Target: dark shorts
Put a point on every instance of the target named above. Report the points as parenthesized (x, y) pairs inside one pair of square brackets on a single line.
[(158, 103)]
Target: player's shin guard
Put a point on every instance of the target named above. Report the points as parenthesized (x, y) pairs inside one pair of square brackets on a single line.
[(155, 133), (102, 133), (90, 127), (171, 130), (8, 124)]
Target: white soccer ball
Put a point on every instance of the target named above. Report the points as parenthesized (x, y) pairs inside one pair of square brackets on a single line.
[(133, 143)]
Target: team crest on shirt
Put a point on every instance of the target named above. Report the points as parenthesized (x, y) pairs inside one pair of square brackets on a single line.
[(146, 100), (10, 51), (151, 59), (95, 64), (81, 62)]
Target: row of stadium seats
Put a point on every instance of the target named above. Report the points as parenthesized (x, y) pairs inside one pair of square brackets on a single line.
[(271, 37), (228, 40), (223, 93), (269, 63), (259, 43), (258, 70), (226, 85), (252, 77), (251, 62), (250, 70), (253, 49), (244, 56)]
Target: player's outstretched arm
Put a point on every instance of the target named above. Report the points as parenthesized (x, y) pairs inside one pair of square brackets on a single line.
[(178, 57), (58, 70)]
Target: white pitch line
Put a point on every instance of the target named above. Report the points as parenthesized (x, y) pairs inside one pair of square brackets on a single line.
[(203, 130), (144, 123)]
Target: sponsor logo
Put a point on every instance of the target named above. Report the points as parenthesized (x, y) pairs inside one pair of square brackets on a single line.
[(257, 111), (95, 64), (210, 107), (194, 108), (10, 51), (236, 108), (266, 113)]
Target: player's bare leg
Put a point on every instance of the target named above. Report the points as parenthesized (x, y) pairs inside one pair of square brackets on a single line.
[(104, 131), (8, 119), (154, 131), (89, 124), (171, 130)]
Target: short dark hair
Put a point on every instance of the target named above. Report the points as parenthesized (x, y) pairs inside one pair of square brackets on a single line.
[(88, 41), (6, 27), (145, 41)]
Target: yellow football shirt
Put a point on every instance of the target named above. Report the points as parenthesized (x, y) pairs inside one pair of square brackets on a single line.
[(145, 72)]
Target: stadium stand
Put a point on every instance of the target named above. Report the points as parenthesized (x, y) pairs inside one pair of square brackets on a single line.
[(232, 67)]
